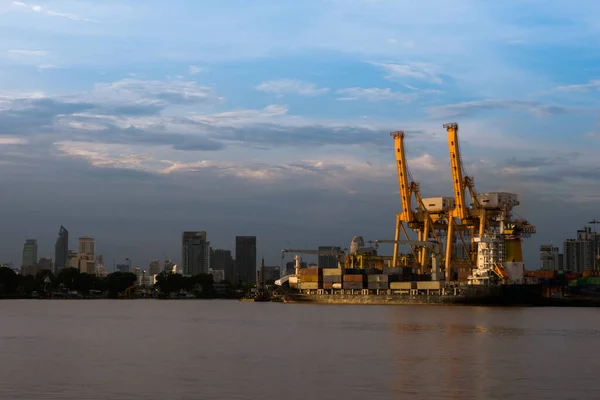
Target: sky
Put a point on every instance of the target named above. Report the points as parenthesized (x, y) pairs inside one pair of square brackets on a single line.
[(133, 121)]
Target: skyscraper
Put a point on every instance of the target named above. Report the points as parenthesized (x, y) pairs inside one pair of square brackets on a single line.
[(328, 261), (30, 253), (86, 246), (194, 253), (549, 257), (61, 250), (245, 258), (222, 260)]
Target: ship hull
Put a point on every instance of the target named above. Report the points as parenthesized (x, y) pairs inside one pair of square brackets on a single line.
[(510, 295)]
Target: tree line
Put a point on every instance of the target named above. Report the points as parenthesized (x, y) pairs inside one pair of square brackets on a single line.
[(46, 283)]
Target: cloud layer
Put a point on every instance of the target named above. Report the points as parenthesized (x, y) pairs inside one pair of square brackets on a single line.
[(282, 129)]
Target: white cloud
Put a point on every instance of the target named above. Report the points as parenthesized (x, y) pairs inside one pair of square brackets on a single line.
[(52, 13), (416, 70), (154, 91), (374, 94), (291, 86), (193, 70), (424, 162), (33, 53), (8, 140), (337, 172), (592, 85)]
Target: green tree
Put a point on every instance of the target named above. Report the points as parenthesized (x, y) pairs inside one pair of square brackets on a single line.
[(68, 277), (167, 283), (41, 285), (118, 282), (8, 281)]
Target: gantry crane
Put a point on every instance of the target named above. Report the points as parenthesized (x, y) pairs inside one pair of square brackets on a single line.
[(433, 246), (420, 222), (473, 218)]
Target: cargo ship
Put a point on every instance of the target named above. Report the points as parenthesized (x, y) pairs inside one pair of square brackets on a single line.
[(365, 277)]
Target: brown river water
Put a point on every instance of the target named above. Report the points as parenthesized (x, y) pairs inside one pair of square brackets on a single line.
[(189, 349)]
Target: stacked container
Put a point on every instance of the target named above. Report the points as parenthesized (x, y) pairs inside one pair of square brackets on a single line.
[(332, 278), (354, 281), (403, 285), (310, 278), (378, 281)]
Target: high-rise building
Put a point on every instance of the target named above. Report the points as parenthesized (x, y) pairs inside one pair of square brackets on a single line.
[(122, 268), (549, 257), (271, 273), (245, 259), (154, 268), (45, 263), (222, 260), (195, 253), (61, 250), (328, 261), (85, 245), (30, 253), (581, 254)]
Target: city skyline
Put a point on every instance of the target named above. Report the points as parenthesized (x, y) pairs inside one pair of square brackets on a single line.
[(282, 132)]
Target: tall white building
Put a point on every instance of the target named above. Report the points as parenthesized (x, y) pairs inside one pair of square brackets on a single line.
[(30, 253), (86, 245), (549, 257), (581, 254)]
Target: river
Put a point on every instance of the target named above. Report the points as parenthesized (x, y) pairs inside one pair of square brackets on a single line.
[(188, 349)]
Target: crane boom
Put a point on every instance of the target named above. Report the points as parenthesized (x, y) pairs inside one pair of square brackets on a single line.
[(403, 181), (435, 247), (460, 211)]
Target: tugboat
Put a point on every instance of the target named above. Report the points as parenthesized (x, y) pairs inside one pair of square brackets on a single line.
[(260, 294)]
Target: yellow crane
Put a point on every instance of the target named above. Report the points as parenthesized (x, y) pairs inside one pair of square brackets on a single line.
[(420, 222), (466, 216)]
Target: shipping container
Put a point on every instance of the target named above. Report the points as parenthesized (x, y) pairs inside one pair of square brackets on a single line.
[(310, 271), (353, 285), (588, 281), (337, 285), (439, 204), (332, 278), (542, 274), (311, 278), (331, 271), (378, 286), (498, 200), (327, 285), (393, 270), (571, 276), (308, 285), (433, 285), (353, 271), (377, 278), (403, 285), (353, 278), (590, 273)]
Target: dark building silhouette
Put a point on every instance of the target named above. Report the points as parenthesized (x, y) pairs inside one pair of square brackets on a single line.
[(245, 258), (222, 260), (61, 250), (195, 253), (327, 261)]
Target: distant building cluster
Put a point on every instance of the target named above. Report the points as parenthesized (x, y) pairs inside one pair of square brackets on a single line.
[(578, 255), (84, 259), (197, 257)]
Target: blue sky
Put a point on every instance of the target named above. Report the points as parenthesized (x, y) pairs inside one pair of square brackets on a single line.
[(131, 121)]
